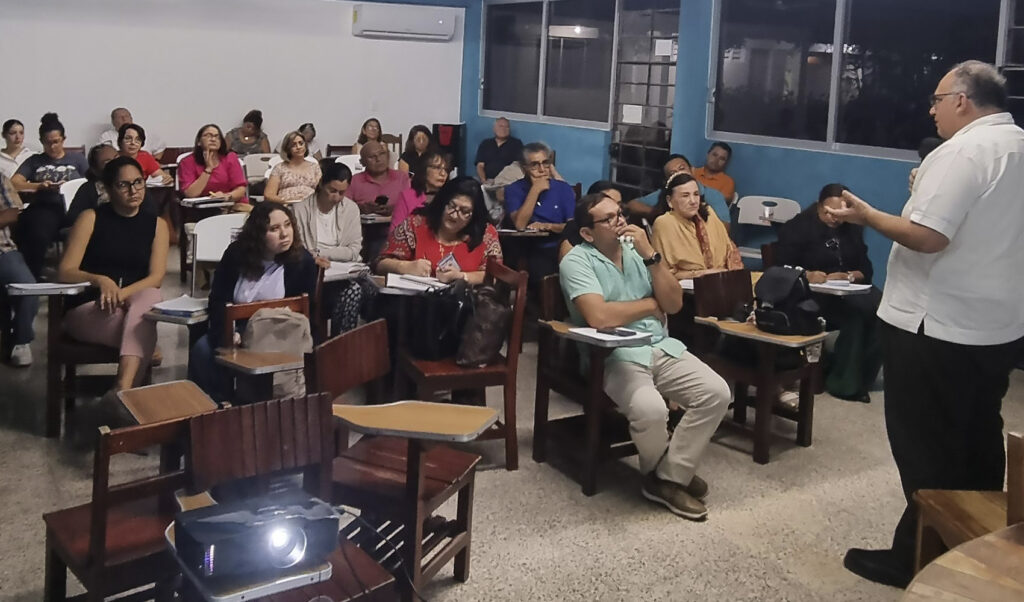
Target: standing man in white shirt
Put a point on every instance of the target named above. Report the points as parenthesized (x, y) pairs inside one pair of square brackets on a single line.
[(953, 308)]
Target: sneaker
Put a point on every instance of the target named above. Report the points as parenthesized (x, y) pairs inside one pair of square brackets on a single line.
[(698, 488), (21, 355), (674, 497), (789, 399)]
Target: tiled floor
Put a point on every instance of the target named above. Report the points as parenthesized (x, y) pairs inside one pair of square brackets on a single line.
[(775, 532)]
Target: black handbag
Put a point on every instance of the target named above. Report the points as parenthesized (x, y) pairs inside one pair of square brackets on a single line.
[(485, 330), (783, 303), (437, 318)]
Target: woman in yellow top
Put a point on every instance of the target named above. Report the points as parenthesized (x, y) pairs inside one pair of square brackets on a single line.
[(688, 234)]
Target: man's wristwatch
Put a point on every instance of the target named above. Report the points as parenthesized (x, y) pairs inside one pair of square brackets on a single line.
[(653, 259)]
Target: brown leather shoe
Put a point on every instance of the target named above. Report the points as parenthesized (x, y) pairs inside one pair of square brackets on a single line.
[(674, 497)]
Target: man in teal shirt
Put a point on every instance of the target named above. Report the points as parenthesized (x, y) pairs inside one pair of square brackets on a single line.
[(611, 284), (644, 206)]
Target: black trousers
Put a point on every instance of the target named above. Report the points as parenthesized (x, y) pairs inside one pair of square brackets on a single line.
[(38, 227), (942, 415)]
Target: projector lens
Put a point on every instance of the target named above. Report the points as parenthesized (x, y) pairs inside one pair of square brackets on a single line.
[(286, 546)]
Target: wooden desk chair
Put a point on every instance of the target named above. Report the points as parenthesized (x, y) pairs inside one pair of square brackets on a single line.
[(948, 518), (445, 375), (63, 357), (335, 150), (768, 252), (600, 433), (233, 312), (372, 475), (115, 543), (394, 144), (717, 295), (577, 189), (75, 149)]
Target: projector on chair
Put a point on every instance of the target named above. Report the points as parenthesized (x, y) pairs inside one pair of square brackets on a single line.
[(256, 539)]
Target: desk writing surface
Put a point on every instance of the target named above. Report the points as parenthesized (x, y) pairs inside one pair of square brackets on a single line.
[(564, 329), (46, 289), (259, 362), (987, 569), (419, 420), (527, 233), (747, 330), (166, 401)]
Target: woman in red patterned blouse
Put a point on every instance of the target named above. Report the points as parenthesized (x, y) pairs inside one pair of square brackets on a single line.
[(449, 238)]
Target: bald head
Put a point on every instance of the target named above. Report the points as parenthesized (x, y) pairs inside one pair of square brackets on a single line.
[(375, 157)]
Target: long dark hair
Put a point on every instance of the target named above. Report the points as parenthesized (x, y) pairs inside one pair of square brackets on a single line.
[(11, 123), (197, 150), (50, 123), (419, 177), (416, 129), (252, 239), (678, 180), (464, 186), (362, 136), (254, 117)]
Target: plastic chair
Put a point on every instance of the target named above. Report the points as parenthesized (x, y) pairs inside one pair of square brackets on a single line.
[(68, 190), (212, 237), (762, 210), (257, 164), (352, 161)]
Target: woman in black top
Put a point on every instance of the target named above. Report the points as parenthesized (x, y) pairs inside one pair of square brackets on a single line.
[(420, 141), (122, 252), (266, 261), (830, 250)]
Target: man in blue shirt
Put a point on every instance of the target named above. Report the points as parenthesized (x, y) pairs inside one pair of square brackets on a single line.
[(644, 206), (611, 284), (539, 202)]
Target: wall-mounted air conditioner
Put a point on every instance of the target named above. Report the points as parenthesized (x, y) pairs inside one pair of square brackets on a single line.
[(403, 21)]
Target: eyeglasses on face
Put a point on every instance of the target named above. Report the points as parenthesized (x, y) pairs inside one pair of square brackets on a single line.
[(934, 99), (611, 220), (539, 164), (463, 212), (210, 135), (438, 167), (125, 185)]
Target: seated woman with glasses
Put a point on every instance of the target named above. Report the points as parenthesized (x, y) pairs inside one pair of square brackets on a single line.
[(449, 238), (122, 252), (831, 250), (295, 178), (130, 139), (689, 235), (212, 170), (425, 184)]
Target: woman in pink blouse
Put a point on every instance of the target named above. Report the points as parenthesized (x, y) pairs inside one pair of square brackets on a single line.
[(425, 184), (211, 170)]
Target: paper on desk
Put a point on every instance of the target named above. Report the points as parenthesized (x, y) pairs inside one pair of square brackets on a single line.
[(155, 181), (592, 333), (840, 285), (687, 284), (183, 304), (413, 283), (44, 287), (341, 270)]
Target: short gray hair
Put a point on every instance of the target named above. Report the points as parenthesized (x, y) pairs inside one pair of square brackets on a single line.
[(535, 147), (982, 83)]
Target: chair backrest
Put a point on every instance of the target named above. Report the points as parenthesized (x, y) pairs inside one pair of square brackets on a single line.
[(577, 189), (177, 169), (752, 210), (106, 496), (75, 149), (234, 312), (363, 352), (68, 190), (334, 150), (1014, 478), (718, 294), (552, 303), (352, 161), (394, 144), (256, 165), (513, 283), (213, 235), (768, 254), (264, 439)]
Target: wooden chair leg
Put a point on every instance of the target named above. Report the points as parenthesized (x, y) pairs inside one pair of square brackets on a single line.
[(739, 404), (53, 398), (511, 437), (412, 547), (70, 387), (805, 411), (767, 391), (56, 574), (464, 524), (540, 417)]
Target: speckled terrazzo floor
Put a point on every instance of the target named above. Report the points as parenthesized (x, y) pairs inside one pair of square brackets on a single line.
[(775, 532)]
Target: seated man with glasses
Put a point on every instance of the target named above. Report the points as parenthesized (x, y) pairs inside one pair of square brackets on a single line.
[(539, 201), (832, 250), (613, 283)]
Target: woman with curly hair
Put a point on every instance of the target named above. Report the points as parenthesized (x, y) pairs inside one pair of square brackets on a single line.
[(267, 261)]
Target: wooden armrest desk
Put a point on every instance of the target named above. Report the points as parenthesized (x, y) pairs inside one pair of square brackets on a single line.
[(256, 370)]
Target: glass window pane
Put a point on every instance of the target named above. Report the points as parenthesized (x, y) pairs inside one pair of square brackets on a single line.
[(895, 54), (774, 67), (578, 77), (512, 57)]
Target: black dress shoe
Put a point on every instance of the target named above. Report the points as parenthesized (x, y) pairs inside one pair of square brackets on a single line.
[(880, 566), (858, 397)]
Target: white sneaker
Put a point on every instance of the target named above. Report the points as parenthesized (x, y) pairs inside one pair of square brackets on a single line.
[(21, 355)]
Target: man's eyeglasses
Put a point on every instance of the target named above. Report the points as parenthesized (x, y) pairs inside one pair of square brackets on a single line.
[(611, 219), (538, 164), (460, 211), (125, 185), (935, 98)]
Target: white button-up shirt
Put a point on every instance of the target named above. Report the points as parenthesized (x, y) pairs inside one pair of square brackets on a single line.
[(971, 190), (9, 165)]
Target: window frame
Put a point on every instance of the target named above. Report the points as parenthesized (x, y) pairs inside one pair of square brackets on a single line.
[(539, 116), (829, 145)]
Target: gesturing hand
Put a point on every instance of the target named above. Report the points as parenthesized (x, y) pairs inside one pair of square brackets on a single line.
[(854, 210)]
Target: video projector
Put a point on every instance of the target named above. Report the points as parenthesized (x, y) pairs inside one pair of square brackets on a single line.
[(256, 539)]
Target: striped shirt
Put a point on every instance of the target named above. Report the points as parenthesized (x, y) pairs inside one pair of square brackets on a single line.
[(9, 199)]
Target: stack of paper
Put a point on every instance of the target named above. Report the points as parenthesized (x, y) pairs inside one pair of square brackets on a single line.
[(343, 270), (413, 283), (184, 306)]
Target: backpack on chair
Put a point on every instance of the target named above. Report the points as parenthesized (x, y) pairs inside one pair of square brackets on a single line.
[(783, 303), (280, 330)]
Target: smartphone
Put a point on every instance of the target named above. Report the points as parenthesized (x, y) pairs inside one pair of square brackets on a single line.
[(381, 200), (619, 332)]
